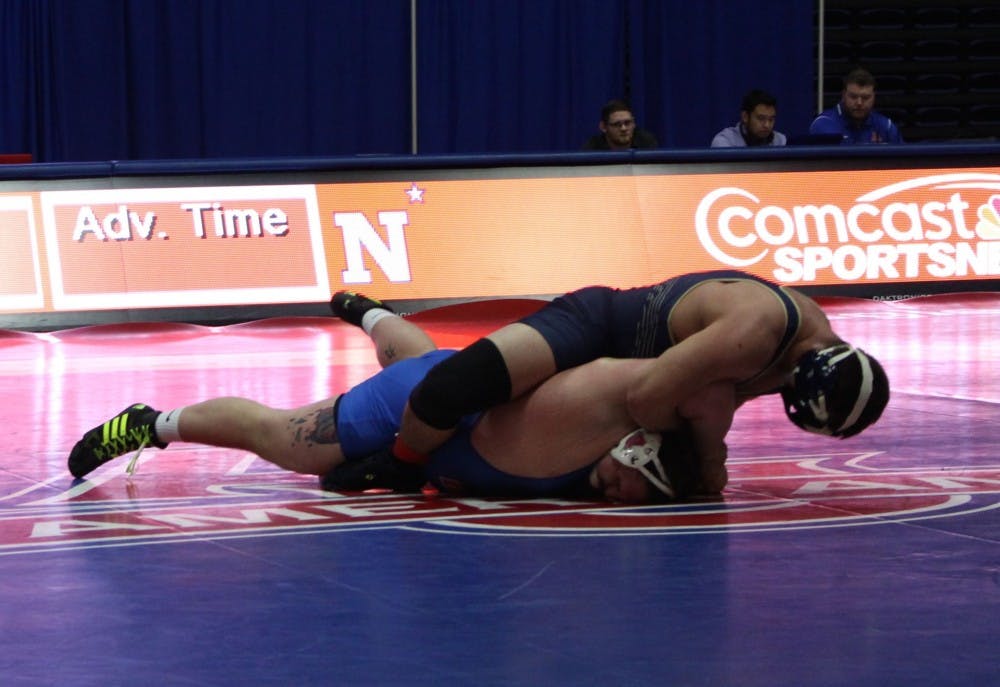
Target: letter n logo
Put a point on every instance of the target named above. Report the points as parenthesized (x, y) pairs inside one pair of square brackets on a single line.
[(358, 232)]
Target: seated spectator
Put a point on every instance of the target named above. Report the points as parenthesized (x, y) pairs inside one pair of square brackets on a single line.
[(618, 130), (854, 117), (758, 112)]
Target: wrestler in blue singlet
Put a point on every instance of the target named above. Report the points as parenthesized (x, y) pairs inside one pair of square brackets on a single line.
[(600, 321), (367, 419)]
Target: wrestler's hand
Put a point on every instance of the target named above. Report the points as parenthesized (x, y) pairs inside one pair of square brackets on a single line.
[(381, 470), (714, 477), (709, 413)]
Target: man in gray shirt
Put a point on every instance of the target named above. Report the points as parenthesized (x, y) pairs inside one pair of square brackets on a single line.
[(758, 112)]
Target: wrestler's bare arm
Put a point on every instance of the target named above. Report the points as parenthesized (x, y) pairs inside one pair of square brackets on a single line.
[(709, 414), (726, 333), (725, 351)]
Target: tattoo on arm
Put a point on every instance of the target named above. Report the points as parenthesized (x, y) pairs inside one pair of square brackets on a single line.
[(389, 352)]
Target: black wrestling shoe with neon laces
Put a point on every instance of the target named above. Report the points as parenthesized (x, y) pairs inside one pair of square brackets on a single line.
[(129, 431), (351, 307)]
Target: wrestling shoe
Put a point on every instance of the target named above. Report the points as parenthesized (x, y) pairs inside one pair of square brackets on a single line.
[(380, 470), (351, 307), (131, 430)]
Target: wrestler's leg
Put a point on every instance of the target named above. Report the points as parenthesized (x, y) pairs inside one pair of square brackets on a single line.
[(570, 331), (396, 339), (527, 354), (302, 440), (491, 371)]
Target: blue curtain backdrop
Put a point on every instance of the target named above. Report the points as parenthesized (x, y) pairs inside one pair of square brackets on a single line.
[(515, 76), (157, 79), (693, 61), (148, 79)]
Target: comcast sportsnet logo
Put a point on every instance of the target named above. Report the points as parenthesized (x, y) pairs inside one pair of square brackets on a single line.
[(930, 227)]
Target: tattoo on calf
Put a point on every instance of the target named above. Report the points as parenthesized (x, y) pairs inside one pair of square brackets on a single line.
[(318, 427)]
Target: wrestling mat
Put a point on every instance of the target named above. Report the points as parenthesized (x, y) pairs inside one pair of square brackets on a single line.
[(871, 561)]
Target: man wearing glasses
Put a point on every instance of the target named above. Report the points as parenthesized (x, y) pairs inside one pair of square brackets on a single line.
[(618, 130)]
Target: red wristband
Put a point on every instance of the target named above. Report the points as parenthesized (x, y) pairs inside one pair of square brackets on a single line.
[(407, 454)]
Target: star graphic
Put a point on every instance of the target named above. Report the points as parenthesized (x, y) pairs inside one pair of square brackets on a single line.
[(415, 193)]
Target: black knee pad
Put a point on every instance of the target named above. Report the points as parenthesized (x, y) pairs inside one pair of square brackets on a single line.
[(472, 380)]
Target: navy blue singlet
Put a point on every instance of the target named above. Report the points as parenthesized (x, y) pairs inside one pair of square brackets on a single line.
[(600, 321)]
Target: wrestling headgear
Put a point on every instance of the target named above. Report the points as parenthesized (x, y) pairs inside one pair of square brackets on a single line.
[(838, 390), (641, 450), (666, 459)]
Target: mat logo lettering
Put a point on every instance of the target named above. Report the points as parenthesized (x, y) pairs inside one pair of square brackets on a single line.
[(794, 492)]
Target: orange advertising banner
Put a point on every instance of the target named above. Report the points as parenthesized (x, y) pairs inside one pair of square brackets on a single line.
[(183, 246), (20, 276), (500, 237), (434, 238)]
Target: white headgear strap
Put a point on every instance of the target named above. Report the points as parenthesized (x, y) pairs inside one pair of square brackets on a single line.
[(640, 450)]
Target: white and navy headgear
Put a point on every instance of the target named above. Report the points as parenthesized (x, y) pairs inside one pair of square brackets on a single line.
[(838, 390)]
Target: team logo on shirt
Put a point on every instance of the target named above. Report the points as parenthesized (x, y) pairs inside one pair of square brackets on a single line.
[(253, 499)]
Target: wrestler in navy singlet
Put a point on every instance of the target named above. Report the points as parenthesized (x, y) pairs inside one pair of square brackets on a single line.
[(367, 420), (600, 321)]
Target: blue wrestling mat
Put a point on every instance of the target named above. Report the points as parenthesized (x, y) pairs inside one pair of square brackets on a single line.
[(868, 562)]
